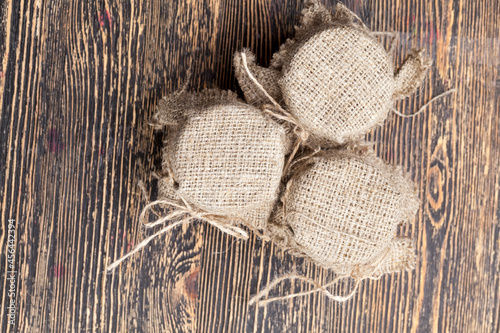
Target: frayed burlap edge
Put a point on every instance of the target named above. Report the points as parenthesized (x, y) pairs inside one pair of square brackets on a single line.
[(411, 74), (267, 77), (399, 256), (315, 17), (172, 109)]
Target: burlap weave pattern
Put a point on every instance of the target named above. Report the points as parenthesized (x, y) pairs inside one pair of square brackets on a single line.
[(338, 81), (411, 74), (254, 218), (342, 209), (172, 109), (401, 257), (227, 159), (267, 77)]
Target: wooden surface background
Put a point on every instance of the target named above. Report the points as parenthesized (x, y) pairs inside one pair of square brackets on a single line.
[(79, 81)]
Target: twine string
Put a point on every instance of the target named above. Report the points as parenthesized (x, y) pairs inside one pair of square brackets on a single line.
[(184, 213), (360, 273), (278, 112), (446, 93), (145, 242)]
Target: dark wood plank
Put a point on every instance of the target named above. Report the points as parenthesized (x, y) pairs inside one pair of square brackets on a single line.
[(80, 79)]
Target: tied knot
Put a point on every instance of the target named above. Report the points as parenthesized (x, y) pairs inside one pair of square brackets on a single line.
[(183, 212), (301, 133)]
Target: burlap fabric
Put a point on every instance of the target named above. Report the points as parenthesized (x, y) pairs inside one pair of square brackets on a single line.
[(342, 210), (267, 77), (336, 78), (222, 156), (400, 257)]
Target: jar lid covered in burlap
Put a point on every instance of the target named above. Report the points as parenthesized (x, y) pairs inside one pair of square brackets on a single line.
[(342, 210), (222, 156), (336, 78)]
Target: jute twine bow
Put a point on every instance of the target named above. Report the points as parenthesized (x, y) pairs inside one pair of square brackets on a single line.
[(359, 273), (183, 213)]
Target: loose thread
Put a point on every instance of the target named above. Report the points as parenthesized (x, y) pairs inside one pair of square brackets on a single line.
[(145, 193), (343, 12), (259, 233), (183, 208), (185, 86), (424, 106), (144, 243), (316, 151), (230, 247), (301, 133), (358, 274), (285, 115), (296, 146), (321, 289), (274, 283), (317, 288), (391, 34), (254, 80), (143, 190), (384, 33)]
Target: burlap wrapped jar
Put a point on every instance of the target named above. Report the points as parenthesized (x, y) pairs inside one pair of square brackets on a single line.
[(222, 163), (342, 210), (336, 78), (223, 157)]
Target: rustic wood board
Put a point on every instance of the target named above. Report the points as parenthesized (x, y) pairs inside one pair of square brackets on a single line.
[(79, 81)]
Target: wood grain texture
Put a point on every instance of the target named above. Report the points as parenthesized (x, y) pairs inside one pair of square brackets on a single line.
[(79, 81)]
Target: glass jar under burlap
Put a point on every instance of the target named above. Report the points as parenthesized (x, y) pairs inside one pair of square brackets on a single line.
[(222, 156), (336, 79), (341, 210)]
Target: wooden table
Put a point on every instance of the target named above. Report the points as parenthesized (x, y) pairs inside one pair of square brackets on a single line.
[(79, 81)]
